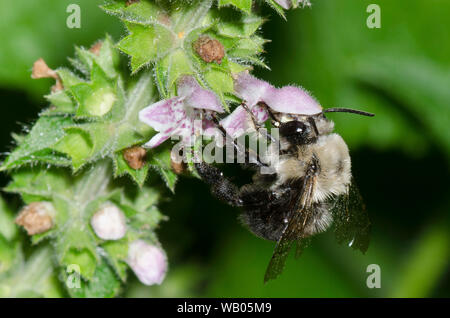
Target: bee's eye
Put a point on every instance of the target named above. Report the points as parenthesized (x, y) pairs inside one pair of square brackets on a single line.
[(292, 128)]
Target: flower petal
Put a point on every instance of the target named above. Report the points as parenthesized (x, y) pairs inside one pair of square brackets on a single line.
[(260, 112), (286, 4), (157, 140), (237, 123), (250, 89), (292, 100), (164, 114), (196, 96)]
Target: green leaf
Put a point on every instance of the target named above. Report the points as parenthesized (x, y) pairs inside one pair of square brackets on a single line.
[(39, 182), (221, 82), (243, 27), (104, 284), (116, 255), (117, 130), (8, 229), (68, 78), (61, 103), (76, 144), (108, 58), (8, 252), (121, 168), (244, 5), (75, 244), (82, 258), (145, 44), (279, 9), (46, 132), (32, 276), (160, 161), (143, 12), (95, 99), (133, 201)]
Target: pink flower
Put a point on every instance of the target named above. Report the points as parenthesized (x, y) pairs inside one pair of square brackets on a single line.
[(286, 4), (179, 115), (255, 93), (148, 262)]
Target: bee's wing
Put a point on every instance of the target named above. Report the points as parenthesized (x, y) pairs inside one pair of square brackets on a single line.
[(299, 215), (351, 221), (301, 244)]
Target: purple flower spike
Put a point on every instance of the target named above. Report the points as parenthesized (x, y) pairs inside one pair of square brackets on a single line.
[(176, 116)]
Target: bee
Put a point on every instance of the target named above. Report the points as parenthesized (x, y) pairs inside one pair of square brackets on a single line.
[(310, 189)]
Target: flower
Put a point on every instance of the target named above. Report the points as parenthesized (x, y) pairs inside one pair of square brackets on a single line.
[(286, 4), (109, 223), (148, 262), (257, 94), (178, 115)]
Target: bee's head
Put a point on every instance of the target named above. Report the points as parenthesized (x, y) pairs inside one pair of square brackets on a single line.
[(298, 132)]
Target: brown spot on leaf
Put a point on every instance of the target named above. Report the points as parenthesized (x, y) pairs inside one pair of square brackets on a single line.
[(41, 70), (163, 18), (210, 50), (177, 167), (135, 157), (130, 2), (36, 217), (96, 48)]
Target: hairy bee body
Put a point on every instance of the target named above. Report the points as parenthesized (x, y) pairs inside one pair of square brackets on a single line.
[(268, 203), (309, 187)]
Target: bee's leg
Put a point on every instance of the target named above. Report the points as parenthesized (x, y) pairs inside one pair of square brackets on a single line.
[(239, 148), (258, 126), (221, 187)]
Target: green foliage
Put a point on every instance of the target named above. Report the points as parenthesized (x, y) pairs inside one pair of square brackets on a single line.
[(69, 159), (76, 199), (93, 117), (37, 145), (163, 35), (22, 276), (33, 30), (244, 5)]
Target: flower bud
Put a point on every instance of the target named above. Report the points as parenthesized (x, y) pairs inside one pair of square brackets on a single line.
[(148, 262), (37, 217), (109, 223), (135, 157), (210, 50)]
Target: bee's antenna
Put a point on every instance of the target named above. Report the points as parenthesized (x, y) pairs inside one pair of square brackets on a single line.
[(348, 110)]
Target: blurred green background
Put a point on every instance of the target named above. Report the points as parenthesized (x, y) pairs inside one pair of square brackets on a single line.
[(400, 158)]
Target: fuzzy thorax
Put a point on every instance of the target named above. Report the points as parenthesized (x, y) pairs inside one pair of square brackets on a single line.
[(334, 166)]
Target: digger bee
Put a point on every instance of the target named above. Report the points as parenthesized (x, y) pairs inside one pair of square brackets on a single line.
[(310, 189)]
